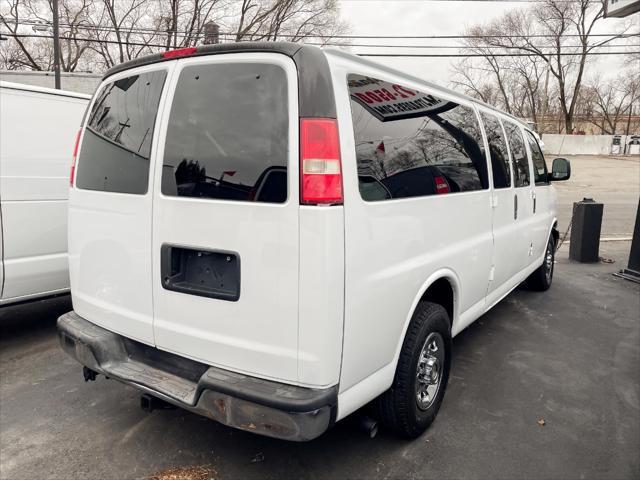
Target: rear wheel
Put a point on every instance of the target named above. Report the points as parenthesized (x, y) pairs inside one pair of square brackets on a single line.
[(541, 279), (412, 402)]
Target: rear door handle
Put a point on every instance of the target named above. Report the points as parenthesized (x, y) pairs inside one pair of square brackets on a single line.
[(515, 206)]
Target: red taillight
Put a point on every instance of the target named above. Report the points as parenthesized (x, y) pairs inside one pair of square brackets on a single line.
[(72, 174), (180, 52), (320, 169), (442, 186)]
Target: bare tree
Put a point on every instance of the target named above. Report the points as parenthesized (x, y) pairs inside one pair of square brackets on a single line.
[(121, 30), (183, 20), (21, 53), (97, 34), (36, 53), (564, 48), (607, 104), (293, 20)]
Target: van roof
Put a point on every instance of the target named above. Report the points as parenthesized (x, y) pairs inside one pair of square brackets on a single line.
[(45, 90)]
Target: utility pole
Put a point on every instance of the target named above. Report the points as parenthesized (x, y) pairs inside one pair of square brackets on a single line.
[(545, 102), (56, 44)]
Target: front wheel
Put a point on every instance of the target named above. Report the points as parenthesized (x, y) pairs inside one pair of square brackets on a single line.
[(412, 402), (541, 279)]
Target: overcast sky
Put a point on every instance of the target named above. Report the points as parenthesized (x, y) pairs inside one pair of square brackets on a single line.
[(420, 17)]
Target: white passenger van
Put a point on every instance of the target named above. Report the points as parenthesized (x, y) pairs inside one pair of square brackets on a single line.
[(38, 127), (274, 235)]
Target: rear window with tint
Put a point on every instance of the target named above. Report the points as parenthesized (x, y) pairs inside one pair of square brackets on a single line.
[(116, 144), (228, 134), (411, 143)]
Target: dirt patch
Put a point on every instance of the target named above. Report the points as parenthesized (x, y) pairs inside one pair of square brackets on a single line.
[(204, 472)]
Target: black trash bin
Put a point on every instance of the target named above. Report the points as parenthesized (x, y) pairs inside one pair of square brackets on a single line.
[(585, 231)]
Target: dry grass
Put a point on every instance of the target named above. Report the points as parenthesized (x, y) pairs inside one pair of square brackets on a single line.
[(204, 472)]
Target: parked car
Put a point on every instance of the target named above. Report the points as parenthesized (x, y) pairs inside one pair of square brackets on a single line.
[(37, 130), (285, 312)]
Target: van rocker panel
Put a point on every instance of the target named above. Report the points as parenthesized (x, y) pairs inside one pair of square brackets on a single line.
[(260, 406)]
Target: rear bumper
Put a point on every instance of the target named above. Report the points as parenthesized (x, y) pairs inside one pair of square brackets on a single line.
[(248, 403)]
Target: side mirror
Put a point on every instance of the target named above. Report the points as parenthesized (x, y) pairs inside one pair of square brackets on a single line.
[(560, 170)]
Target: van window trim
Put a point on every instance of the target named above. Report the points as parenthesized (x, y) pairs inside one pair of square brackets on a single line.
[(168, 67), (274, 58), (431, 91)]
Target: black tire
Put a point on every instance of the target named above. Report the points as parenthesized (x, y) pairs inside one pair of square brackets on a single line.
[(541, 279), (398, 408)]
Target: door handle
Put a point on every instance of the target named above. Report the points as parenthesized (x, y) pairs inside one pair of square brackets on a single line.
[(515, 206), (533, 196)]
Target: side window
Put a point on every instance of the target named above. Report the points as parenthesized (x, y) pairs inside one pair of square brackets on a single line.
[(410, 143), (540, 173), (498, 151), (228, 134), (117, 139), (518, 154)]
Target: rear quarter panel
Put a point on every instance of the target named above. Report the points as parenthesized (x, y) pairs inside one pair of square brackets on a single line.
[(393, 251)]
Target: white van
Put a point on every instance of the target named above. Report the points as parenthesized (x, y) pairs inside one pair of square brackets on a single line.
[(274, 235), (37, 131)]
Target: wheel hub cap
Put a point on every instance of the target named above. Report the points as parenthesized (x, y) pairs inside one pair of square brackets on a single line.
[(548, 260), (429, 370)]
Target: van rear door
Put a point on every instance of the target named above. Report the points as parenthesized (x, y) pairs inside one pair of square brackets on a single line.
[(110, 208), (225, 215)]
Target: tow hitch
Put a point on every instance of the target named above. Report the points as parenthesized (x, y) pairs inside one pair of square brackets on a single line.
[(88, 374), (149, 403)]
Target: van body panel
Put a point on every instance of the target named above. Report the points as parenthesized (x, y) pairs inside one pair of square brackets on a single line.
[(506, 259), (526, 219), (545, 198), (258, 333), (389, 251), (321, 295), (39, 127), (35, 241), (109, 231)]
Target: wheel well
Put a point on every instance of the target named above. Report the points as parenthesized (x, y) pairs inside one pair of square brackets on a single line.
[(555, 233), (440, 292)]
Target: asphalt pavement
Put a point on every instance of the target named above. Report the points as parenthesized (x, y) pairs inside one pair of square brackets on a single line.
[(613, 181), (544, 386)]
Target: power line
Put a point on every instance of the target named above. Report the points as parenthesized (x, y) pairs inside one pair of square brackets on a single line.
[(369, 45), (425, 55), (33, 22)]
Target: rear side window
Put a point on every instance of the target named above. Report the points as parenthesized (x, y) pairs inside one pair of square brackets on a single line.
[(522, 177), (116, 143), (540, 173), (498, 151), (228, 134), (410, 143)]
